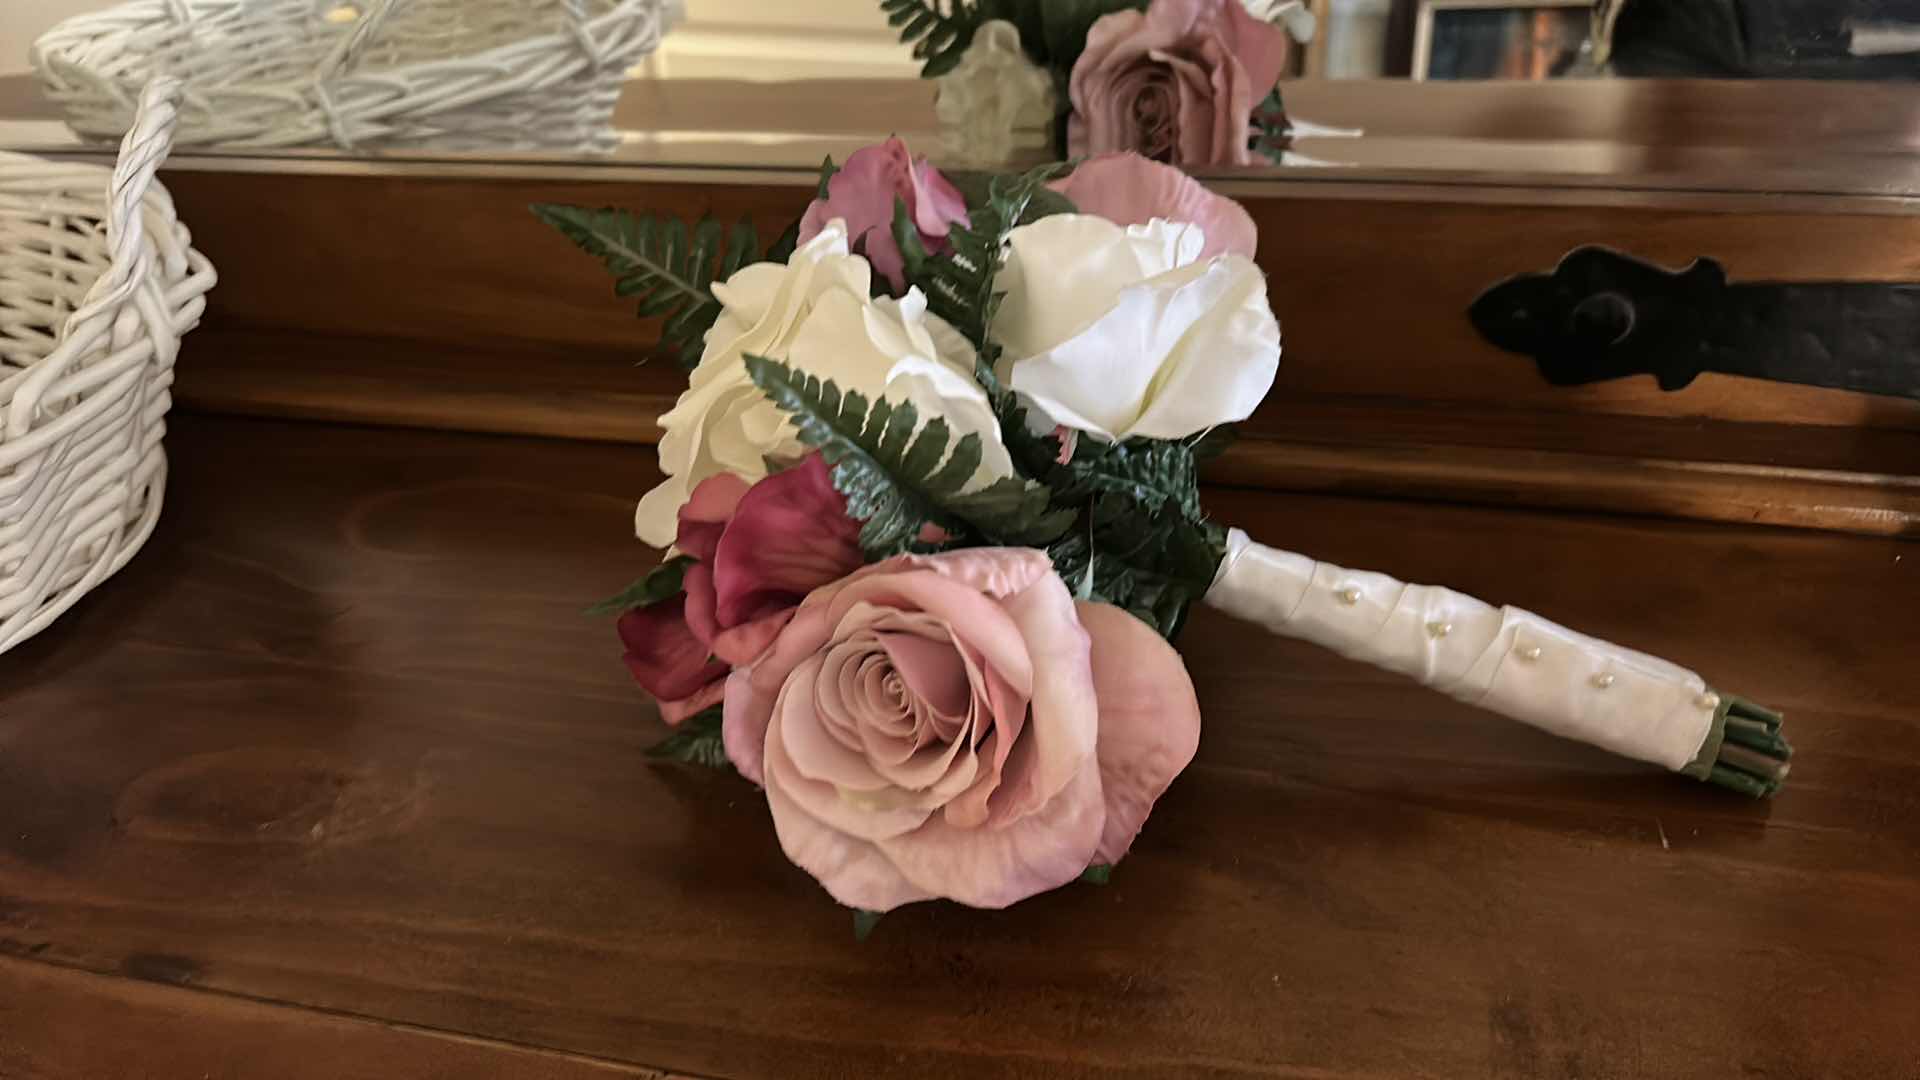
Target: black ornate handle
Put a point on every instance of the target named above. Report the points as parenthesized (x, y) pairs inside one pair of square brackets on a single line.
[(1602, 315)]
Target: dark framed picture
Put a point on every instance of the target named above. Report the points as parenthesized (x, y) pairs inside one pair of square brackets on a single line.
[(1502, 39)]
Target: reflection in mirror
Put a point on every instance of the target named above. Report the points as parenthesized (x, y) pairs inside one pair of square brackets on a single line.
[(1710, 94)]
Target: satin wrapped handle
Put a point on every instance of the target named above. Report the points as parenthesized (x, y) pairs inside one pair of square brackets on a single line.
[(1506, 660)]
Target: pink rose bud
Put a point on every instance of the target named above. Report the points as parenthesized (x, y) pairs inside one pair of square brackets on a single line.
[(862, 194)]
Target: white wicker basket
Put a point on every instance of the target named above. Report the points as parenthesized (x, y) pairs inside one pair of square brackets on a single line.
[(97, 284), (358, 74)]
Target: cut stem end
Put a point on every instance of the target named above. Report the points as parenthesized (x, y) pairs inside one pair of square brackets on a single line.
[(1744, 751)]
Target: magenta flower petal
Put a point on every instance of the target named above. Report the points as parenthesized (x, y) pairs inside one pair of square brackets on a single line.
[(789, 535), (664, 656), (706, 514)]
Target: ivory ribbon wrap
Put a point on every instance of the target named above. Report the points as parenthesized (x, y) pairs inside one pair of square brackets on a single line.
[(1509, 661)]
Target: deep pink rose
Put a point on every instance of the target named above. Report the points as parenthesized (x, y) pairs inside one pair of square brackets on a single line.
[(862, 194), (1128, 189), (956, 726), (760, 551), (1177, 82)]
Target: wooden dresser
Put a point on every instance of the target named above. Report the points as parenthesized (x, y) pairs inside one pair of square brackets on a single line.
[(335, 781)]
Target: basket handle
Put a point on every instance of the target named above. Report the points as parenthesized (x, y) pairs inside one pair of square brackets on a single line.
[(145, 146)]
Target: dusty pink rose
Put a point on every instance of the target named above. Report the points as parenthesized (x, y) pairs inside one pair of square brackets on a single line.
[(760, 550), (862, 194), (1177, 82), (956, 726), (1128, 189)]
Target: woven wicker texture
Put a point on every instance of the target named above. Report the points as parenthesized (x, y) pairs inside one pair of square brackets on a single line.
[(98, 281), (360, 74)]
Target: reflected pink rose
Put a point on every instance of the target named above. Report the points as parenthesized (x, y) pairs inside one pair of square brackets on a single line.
[(956, 726), (760, 550), (1177, 82), (862, 194), (1128, 189)]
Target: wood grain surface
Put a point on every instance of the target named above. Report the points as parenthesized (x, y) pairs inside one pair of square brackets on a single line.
[(340, 740), (58, 1022)]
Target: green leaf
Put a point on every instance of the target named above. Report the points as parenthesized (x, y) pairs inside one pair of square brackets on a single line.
[(1156, 474), (1272, 130), (1213, 442), (828, 170), (959, 283), (899, 475), (864, 922), (665, 266), (663, 582), (1154, 565), (938, 30), (1096, 875), (696, 741)]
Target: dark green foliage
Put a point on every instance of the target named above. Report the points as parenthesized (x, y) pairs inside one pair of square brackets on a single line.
[(664, 265), (1052, 32), (1272, 131), (1154, 474), (1096, 875), (959, 284), (696, 741), (864, 923), (661, 583), (898, 476), (938, 30)]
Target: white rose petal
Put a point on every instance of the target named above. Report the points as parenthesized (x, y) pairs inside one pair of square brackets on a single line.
[(815, 315), (1122, 332)]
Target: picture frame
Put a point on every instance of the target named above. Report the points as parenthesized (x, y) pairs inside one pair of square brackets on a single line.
[(1468, 39)]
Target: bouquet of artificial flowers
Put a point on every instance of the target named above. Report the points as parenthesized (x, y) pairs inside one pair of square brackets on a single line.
[(933, 518)]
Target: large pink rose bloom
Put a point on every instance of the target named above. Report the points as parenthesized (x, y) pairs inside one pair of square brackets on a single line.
[(1177, 82), (760, 551), (862, 194), (1128, 189), (956, 726)]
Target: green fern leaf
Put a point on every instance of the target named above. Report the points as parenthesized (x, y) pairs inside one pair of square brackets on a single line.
[(1158, 475), (900, 476), (959, 282), (939, 30), (697, 741), (665, 267), (662, 583)]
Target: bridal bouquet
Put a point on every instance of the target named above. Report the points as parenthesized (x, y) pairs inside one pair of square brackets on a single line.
[(932, 518)]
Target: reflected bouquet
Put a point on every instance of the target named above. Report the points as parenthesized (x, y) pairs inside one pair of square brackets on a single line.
[(1190, 82), (933, 517)]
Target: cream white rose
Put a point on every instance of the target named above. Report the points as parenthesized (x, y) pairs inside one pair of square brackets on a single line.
[(1124, 331), (815, 314)]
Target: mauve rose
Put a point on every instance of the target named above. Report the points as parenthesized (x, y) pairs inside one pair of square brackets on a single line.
[(760, 550), (956, 726), (862, 193), (1177, 82), (1128, 189)]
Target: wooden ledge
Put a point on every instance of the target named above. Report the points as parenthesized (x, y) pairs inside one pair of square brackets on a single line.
[(1750, 474)]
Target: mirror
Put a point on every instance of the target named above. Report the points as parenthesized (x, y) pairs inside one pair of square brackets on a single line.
[(1720, 95)]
